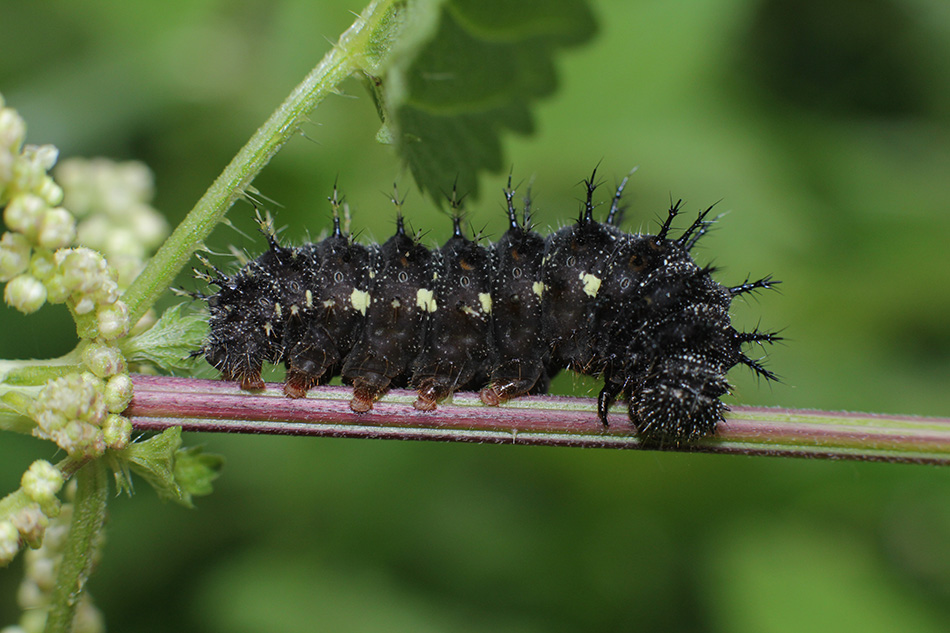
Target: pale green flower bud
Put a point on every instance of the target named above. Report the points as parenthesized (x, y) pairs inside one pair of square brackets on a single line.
[(83, 269), (122, 242), (31, 596), (103, 360), (88, 617), (92, 231), (42, 481), (69, 410), (23, 214), (29, 169), (42, 265), (57, 229), (26, 293), (108, 289), (118, 393), (9, 542), (30, 521), (81, 439), (136, 178), (113, 320), (84, 305), (6, 172), (14, 255), (50, 191), (41, 569), (43, 156), (33, 621), (149, 225), (12, 129), (92, 407), (117, 431), (56, 291)]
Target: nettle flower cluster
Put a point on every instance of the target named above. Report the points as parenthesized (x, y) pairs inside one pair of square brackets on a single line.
[(42, 261)]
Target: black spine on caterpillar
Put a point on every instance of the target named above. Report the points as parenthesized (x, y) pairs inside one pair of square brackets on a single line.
[(520, 350), (326, 303), (397, 313), (459, 340), (572, 273), (246, 317)]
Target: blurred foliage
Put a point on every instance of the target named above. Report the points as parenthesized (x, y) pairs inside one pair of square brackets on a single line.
[(824, 128), (450, 105)]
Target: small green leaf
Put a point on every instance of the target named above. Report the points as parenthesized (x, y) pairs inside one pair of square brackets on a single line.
[(169, 343), (154, 461), (195, 470), (446, 98), (175, 473)]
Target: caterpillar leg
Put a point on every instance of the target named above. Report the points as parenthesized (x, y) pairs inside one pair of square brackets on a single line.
[(365, 394), (432, 391), (607, 397), (512, 380)]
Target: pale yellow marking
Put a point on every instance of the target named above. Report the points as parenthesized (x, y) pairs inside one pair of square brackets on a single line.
[(372, 274), (396, 303), (277, 309), (469, 311), (591, 284), (329, 303), (425, 300), (294, 310), (538, 288), (268, 329), (360, 300), (485, 299), (309, 298)]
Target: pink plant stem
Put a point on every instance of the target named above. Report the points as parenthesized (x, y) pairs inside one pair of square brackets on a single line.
[(220, 407)]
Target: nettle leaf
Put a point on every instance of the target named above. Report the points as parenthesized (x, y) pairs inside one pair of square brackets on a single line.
[(473, 70), (177, 474), (169, 343)]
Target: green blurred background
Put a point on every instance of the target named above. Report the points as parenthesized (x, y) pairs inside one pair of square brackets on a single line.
[(824, 129)]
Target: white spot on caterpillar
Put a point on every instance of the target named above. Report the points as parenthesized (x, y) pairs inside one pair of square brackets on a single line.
[(396, 303), (294, 310), (329, 303), (538, 288), (425, 300), (308, 296), (469, 311), (591, 284), (360, 300), (485, 299), (268, 329)]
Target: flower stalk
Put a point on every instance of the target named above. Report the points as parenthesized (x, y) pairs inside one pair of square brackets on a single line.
[(85, 529), (220, 407)]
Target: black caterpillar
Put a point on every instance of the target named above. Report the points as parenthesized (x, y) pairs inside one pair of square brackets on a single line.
[(634, 309)]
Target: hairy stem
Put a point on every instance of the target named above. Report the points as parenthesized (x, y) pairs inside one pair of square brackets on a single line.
[(362, 39), (89, 512), (219, 407)]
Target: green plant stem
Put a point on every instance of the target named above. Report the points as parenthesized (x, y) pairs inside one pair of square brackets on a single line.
[(220, 407), (374, 26), (89, 511)]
